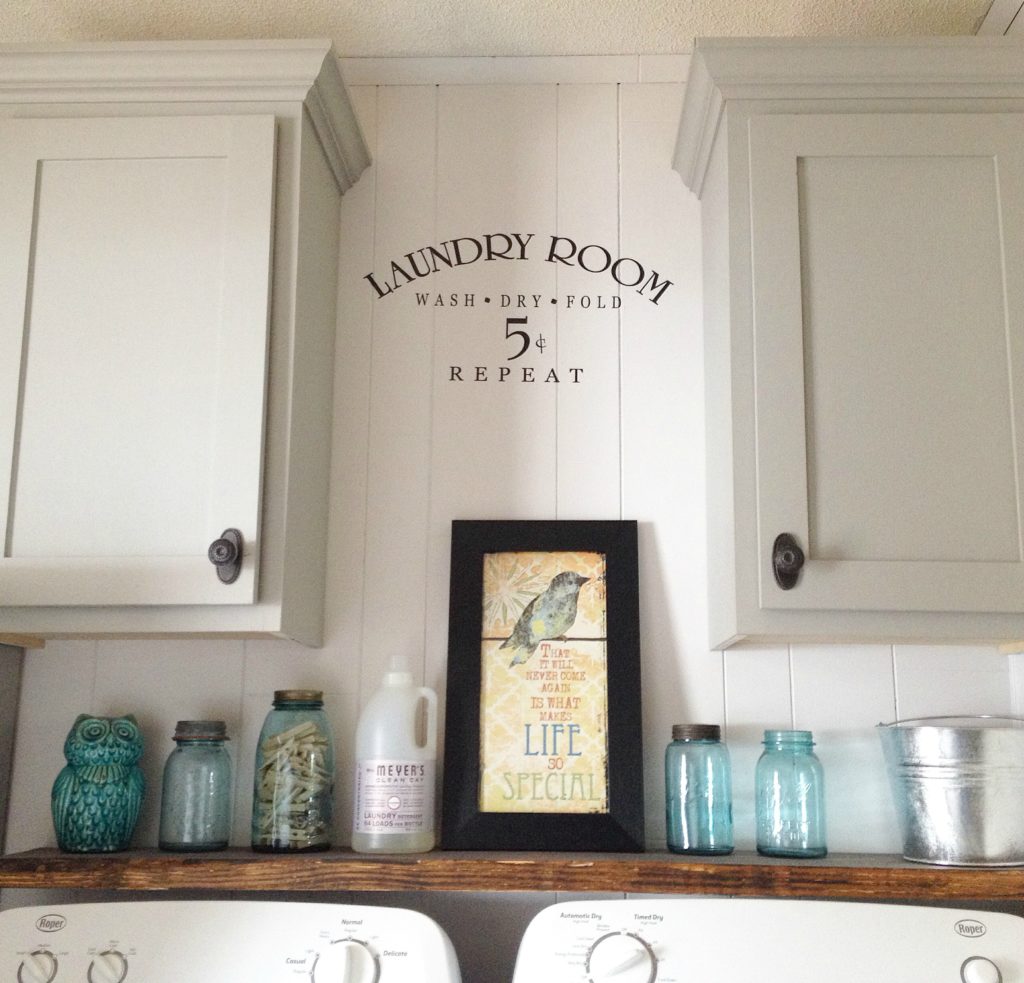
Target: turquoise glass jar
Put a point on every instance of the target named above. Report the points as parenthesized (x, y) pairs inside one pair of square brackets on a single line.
[(195, 809), (293, 784), (790, 796), (698, 791)]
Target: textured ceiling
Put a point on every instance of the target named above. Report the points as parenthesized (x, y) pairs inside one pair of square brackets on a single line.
[(483, 27)]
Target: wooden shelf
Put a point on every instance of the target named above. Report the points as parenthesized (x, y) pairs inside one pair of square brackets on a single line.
[(841, 876), (22, 641)]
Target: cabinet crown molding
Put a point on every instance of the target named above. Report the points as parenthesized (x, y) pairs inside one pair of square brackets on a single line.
[(820, 75), (212, 72)]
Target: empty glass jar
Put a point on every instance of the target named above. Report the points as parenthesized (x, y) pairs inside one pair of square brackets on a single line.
[(293, 785), (195, 810), (698, 791), (790, 796)]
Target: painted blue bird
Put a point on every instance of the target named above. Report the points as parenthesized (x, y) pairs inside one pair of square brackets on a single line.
[(549, 615)]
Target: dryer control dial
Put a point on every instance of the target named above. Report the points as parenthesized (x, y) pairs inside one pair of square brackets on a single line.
[(621, 957), (38, 967), (978, 969), (346, 961), (109, 966)]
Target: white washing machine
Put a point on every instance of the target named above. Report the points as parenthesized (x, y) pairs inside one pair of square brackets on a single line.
[(729, 940), (222, 942)]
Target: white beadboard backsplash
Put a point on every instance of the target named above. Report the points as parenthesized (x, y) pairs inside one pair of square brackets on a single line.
[(575, 147), (839, 692)]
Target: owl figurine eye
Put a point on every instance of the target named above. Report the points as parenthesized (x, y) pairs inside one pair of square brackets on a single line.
[(93, 729), (125, 730)]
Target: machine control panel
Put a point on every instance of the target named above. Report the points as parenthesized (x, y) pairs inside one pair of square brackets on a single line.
[(679, 940), (214, 941)]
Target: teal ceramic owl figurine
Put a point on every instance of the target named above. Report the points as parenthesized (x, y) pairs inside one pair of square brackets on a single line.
[(98, 794)]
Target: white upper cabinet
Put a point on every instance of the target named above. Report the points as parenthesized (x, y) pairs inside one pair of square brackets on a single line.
[(133, 423), (863, 225), (167, 322)]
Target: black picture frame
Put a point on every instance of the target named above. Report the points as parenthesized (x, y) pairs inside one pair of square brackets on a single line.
[(619, 827)]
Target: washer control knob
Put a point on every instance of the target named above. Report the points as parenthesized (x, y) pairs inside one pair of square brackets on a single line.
[(346, 961), (978, 969), (621, 957), (109, 966), (38, 967)]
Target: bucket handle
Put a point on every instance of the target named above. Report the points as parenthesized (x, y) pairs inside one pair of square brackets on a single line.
[(948, 719)]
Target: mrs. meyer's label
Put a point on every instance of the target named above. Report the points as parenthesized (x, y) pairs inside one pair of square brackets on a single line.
[(394, 796)]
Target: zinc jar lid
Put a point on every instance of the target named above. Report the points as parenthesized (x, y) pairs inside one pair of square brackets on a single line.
[(298, 696), (201, 730), (696, 732)]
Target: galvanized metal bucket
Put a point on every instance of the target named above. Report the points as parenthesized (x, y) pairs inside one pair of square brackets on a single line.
[(958, 785)]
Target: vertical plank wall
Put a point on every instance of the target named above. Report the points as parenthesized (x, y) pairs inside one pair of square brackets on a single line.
[(462, 147)]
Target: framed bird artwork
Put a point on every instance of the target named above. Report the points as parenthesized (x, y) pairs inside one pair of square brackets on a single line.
[(543, 747)]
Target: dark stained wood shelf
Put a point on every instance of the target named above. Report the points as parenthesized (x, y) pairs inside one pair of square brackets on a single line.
[(841, 876)]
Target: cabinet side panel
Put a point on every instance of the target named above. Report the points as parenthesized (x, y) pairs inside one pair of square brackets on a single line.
[(347, 520), (18, 178), (902, 265), (311, 407), (10, 691), (718, 399)]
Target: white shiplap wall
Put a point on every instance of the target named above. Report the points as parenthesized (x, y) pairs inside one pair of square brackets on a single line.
[(578, 147)]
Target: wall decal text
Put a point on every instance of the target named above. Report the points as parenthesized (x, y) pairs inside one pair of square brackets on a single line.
[(515, 247)]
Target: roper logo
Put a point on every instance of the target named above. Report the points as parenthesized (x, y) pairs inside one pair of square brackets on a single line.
[(969, 928), (51, 923)]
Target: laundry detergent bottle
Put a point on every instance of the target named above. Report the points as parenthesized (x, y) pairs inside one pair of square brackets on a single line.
[(396, 764)]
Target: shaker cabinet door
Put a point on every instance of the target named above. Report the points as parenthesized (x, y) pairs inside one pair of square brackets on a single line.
[(134, 299), (888, 301)]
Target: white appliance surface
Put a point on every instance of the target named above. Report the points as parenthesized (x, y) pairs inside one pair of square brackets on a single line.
[(738, 940), (223, 942)]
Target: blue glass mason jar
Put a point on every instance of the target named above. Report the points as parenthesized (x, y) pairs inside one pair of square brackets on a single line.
[(790, 796), (698, 791), (195, 809), (293, 784)]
